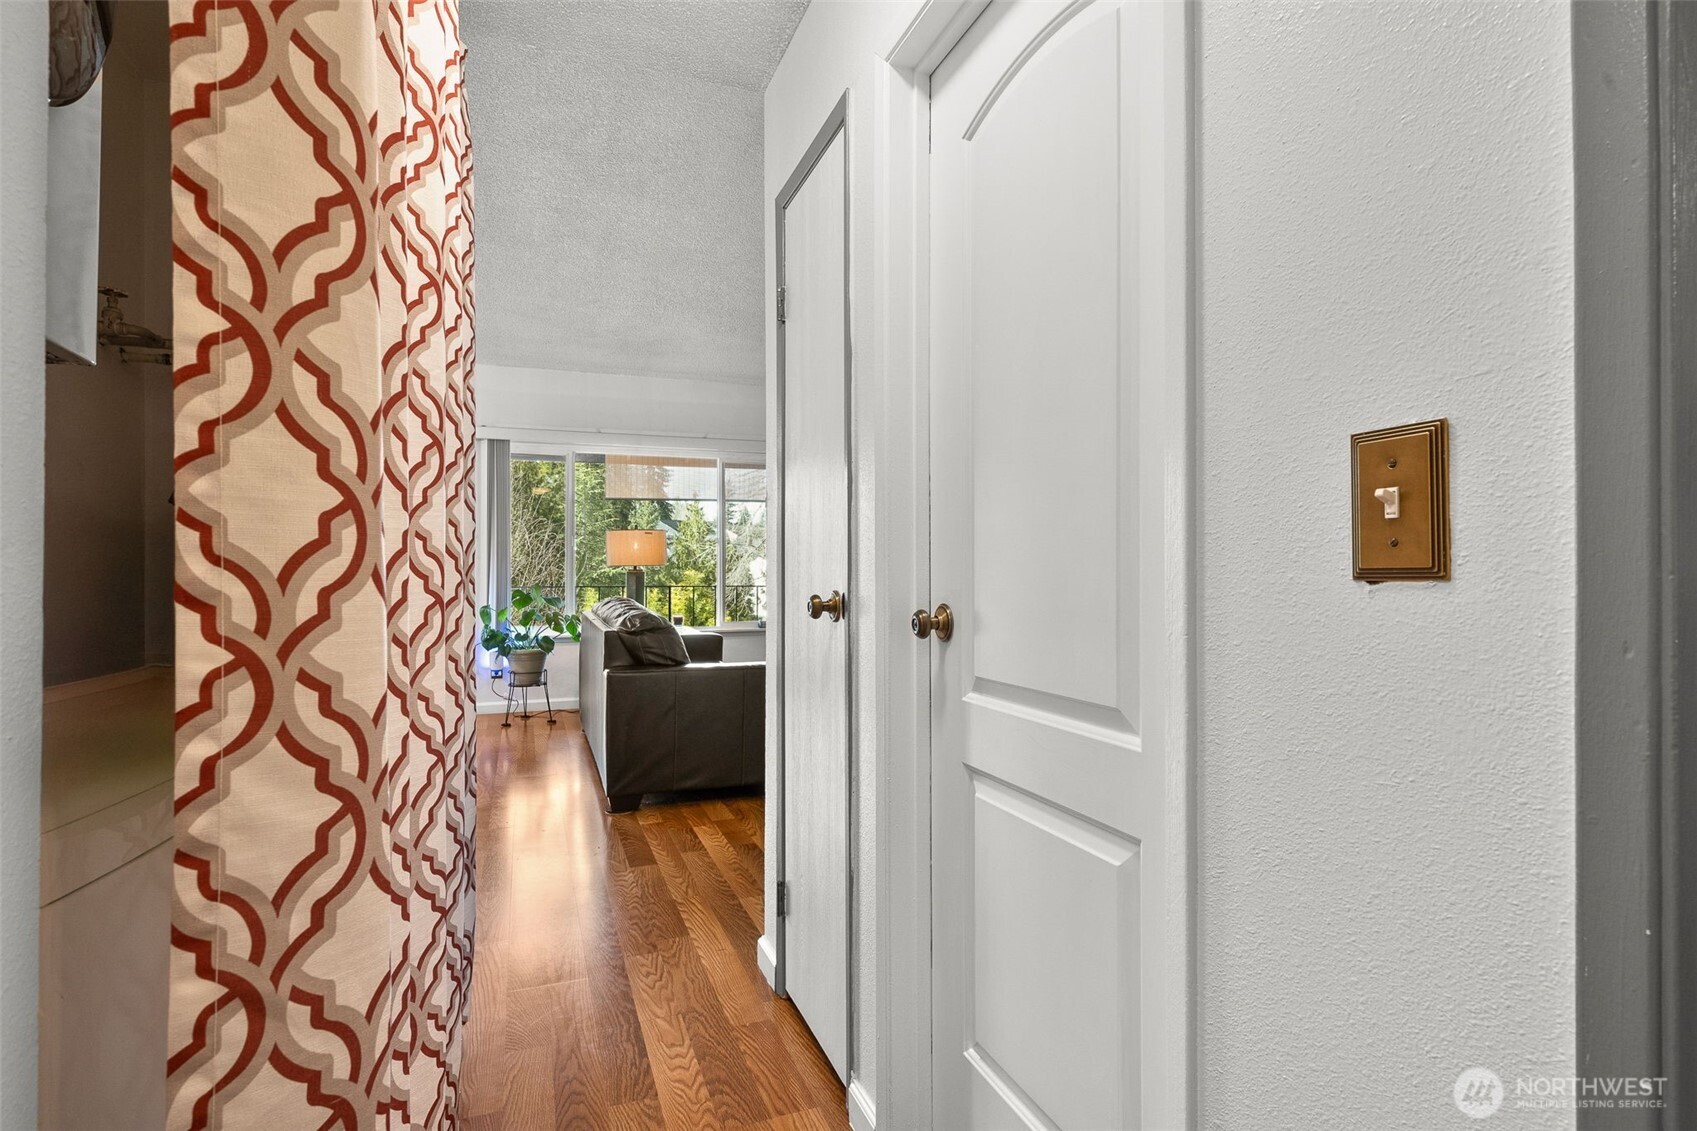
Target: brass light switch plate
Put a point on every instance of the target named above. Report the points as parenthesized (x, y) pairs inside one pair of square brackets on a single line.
[(1402, 502)]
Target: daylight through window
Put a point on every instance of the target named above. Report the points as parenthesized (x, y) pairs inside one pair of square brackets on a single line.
[(712, 511)]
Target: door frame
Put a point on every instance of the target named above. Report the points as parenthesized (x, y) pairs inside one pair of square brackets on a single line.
[(1635, 130), (900, 93), (777, 608)]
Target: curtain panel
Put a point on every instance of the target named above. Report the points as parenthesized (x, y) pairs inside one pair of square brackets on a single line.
[(323, 905)]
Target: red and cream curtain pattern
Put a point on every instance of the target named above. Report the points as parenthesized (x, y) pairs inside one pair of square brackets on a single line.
[(322, 917)]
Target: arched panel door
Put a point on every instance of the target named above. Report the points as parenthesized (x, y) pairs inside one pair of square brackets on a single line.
[(1057, 225)]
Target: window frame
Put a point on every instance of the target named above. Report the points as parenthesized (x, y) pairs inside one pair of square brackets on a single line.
[(567, 453)]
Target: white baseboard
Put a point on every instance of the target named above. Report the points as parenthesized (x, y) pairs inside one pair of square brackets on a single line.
[(497, 706), (861, 1113), (767, 956)]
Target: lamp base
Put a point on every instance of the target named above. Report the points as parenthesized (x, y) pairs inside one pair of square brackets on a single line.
[(634, 584)]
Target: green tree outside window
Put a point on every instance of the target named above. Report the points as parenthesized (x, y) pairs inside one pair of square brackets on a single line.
[(685, 586)]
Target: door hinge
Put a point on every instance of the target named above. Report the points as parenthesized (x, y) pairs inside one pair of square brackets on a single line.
[(783, 899), (780, 304)]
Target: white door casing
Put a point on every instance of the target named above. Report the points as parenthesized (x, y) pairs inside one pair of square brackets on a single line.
[(815, 726), (1059, 344)]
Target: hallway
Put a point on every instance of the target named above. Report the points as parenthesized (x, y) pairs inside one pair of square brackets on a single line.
[(615, 982)]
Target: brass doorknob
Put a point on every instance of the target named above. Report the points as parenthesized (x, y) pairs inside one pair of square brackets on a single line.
[(941, 622), (831, 606)]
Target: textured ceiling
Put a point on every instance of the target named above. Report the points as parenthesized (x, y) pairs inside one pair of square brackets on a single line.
[(617, 149)]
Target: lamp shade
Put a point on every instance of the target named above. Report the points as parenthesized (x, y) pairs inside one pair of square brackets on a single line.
[(636, 547)]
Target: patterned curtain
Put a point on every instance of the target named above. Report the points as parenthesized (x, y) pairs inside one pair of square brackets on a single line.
[(322, 921)]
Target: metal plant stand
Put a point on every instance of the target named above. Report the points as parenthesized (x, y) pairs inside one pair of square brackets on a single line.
[(521, 696)]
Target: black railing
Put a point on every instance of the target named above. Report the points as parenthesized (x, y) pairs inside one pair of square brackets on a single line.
[(694, 603)]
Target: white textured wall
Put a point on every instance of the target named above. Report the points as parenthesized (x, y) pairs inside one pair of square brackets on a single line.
[(23, 142), (836, 48), (618, 230), (1386, 779)]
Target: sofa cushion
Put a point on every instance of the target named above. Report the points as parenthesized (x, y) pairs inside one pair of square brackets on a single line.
[(632, 617), (703, 647), (647, 639), (607, 609)]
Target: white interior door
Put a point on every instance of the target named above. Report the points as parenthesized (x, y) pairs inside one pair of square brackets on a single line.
[(815, 648), (1057, 276)]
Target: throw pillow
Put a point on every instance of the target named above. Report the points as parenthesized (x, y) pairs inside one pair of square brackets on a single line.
[(650, 640)]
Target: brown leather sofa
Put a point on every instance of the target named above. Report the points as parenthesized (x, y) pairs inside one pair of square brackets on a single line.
[(660, 725)]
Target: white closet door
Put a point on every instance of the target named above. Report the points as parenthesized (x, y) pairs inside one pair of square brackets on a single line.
[(816, 554)]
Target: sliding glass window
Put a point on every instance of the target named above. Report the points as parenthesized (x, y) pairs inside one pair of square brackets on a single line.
[(712, 511)]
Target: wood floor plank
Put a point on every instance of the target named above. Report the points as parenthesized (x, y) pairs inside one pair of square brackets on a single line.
[(545, 932), (745, 886), (813, 1119), (644, 1115), (677, 1073), (780, 1084), (529, 1087), (531, 1018), (717, 810), (752, 820), (727, 967), (647, 916), (805, 1054), (676, 832), (632, 840), (742, 999), (714, 892), (615, 983), (615, 1022), (718, 846), (582, 1092), (484, 1075), (748, 850), (731, 1084), (666, 848)]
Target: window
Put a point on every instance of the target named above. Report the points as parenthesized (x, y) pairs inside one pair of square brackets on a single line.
[(679, 496), (745, 542), (713, 512), (539, 525)]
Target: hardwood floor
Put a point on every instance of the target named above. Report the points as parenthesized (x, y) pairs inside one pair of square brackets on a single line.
[(615, 982)]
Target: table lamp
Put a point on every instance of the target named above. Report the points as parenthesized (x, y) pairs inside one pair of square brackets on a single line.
[(634, 549)]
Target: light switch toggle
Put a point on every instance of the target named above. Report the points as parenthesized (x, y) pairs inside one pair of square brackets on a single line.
[(1392, 498)]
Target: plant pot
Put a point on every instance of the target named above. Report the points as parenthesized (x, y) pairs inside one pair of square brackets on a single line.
[(524, 667)]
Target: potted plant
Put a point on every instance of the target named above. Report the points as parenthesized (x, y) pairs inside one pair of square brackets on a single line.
[(524, 633)]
